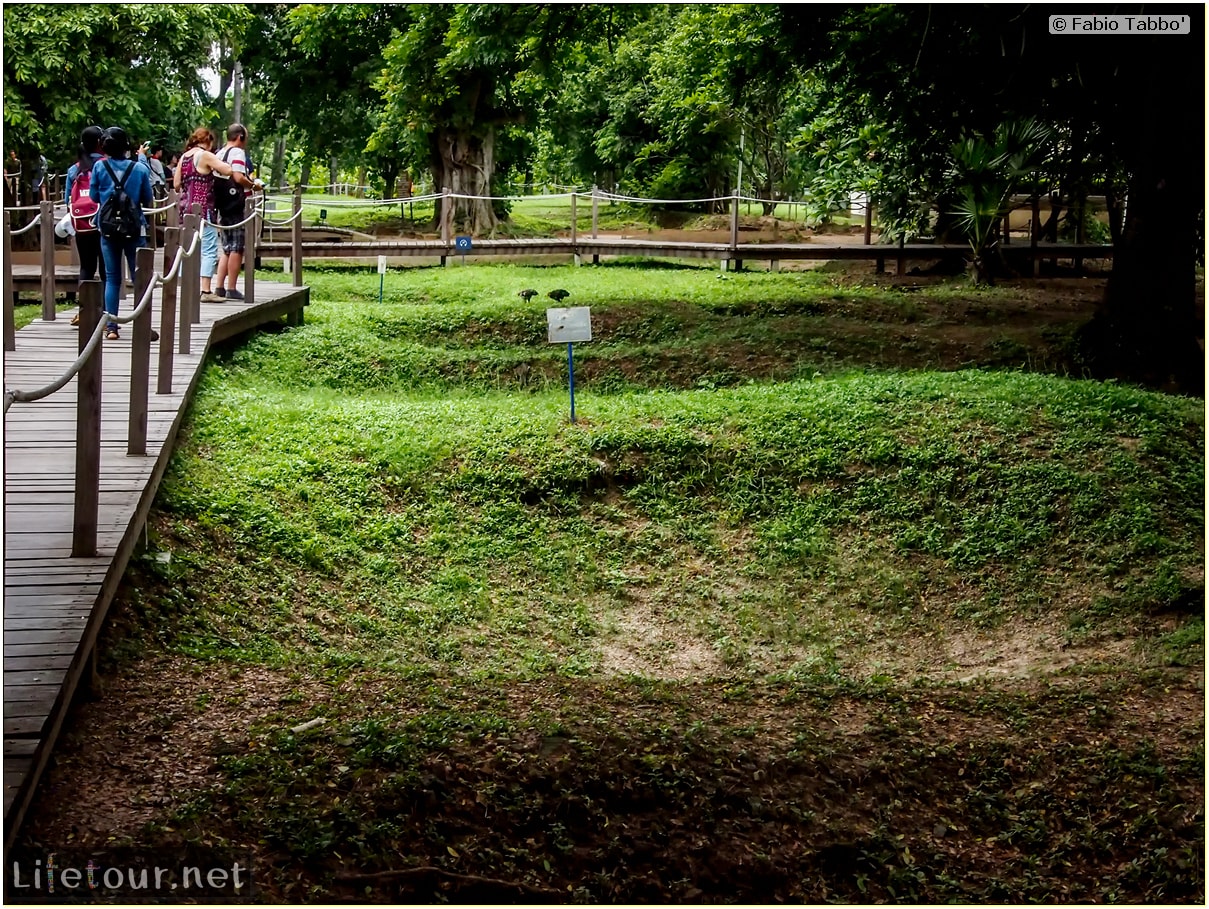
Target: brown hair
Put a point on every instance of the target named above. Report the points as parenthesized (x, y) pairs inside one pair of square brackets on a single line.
[(199, 136)]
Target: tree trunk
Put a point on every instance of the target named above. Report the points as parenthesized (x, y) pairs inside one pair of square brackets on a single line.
[(466, 164), (237, 92), (332, 173), (278, 173), (1146, 329), (305, 178)]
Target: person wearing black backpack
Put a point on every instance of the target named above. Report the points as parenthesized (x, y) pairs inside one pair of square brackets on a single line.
[(229, 195), (121, 188)]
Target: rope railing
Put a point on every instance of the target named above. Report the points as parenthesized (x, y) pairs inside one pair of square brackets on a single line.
[(290, 220), (14, 396), (29, 226)]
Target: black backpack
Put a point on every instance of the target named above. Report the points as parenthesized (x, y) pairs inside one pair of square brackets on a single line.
[(119, 218), (228, 195)]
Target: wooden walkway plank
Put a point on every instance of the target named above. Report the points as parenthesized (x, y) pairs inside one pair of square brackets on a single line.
[(54, 604)]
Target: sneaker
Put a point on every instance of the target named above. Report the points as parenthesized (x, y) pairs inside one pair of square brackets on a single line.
[(155, 335), (234, 294), (221, 292), (112, 335), (209, 297)]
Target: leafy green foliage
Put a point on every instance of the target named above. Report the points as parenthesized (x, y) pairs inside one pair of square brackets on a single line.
[(67, 66)]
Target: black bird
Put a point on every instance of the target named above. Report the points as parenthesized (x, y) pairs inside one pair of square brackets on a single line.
[(527, 294), (559, 295)]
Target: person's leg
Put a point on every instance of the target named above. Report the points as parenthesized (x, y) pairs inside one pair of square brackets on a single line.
[(88, 247), (111, 253), (233, 244), (234, 263), (222, 262), (209, 260)]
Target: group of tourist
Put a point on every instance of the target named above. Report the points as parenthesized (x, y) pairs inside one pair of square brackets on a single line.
[(104, 164)]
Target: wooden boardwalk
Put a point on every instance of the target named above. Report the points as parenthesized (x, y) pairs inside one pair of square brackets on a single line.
[(55, 605)]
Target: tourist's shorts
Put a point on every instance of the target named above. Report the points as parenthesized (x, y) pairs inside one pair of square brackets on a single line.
[(232, 240)]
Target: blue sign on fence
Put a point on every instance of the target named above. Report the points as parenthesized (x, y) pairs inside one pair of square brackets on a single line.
[(463, 243)]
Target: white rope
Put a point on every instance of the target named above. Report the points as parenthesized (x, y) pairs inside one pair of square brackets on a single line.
[(12, 396), (28, 226), (23, 208), (619, 198), (290, 220), (231, 226), (156, 211)]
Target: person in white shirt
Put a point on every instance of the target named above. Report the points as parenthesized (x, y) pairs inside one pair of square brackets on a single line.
[(234, 153)]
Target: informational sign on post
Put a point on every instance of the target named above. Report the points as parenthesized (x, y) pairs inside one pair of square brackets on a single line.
[(566, 325), (569, 323), (381, 277), (463, 245)]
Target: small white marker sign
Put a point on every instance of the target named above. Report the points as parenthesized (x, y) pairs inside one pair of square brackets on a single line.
[(381, 265), (569, 323)]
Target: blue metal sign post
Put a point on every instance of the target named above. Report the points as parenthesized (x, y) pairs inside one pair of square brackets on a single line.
[(571, 373), (567, 325), (463, 244)]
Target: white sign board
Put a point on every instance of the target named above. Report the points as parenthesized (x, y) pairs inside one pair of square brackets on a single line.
[(569, 323), (381, 265)]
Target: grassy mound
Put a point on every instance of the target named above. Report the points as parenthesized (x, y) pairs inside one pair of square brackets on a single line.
[(829, 629)]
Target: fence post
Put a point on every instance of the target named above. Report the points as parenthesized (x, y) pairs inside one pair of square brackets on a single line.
[(195, 300), (140, 355), (88, 429), (151, 238), (190, 282), (48, 260), (595, 220), (446, 220), (901, 264), (575, 226), (249, 252), (1034, 233), (734, 232), (296, 238), (868, 220), (163, 382), (10, 319)]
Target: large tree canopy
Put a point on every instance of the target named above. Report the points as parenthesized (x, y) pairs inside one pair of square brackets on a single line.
[(67, 66), (657, 99)]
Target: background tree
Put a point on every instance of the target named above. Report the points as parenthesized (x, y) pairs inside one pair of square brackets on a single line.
[(67, 66)]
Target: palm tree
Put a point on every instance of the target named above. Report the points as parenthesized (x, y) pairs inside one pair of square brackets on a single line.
[(986, 173)]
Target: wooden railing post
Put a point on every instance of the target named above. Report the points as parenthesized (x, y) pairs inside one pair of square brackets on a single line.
[(10, 318), (446, 220), (190, 284), (734, 232), (249, 252), (595, 220), (1034, 233), (296, 238), (140, 355), (163, 382), (868, 220), (88, 429), (195, 302), (47, 226)]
